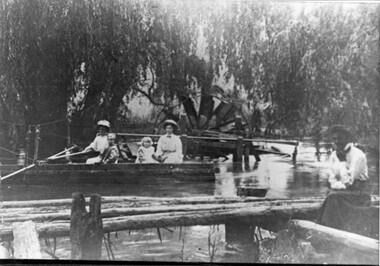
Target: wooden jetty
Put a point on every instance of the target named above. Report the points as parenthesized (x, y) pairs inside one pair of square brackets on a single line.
[(122, 173), (241, 215), (52, 217), (128, 213)]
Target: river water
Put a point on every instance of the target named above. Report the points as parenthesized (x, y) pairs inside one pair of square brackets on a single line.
[(283, 179)]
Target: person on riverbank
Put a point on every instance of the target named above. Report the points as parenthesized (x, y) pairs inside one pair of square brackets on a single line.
[(169, 146), (345, 205), (145, 153), (111, 154), (100, 143)]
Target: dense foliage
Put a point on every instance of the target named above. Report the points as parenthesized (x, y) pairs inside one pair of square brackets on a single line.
[(86, 59)]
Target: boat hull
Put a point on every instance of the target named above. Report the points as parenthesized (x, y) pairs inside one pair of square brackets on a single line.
[(123, 173)]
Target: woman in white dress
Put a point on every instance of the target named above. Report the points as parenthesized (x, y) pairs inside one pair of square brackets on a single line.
[(100, 143), (169, 146)]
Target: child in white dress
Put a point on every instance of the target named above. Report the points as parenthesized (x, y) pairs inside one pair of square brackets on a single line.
[(146, 151)]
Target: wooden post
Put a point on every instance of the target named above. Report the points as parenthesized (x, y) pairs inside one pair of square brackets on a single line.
[(92, 248), (68, 143), (78, 212), (239, 150), (25, 241), (294, 156), (239, 231), (242, 232), (246, 152), (36, 143), (184, 146), (27, 146), (238, 125), (86, 229)]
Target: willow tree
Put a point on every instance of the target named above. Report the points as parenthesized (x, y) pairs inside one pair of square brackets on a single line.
[(313, 68), (340, 65), (35, 70), (85, 59), (92, 56)]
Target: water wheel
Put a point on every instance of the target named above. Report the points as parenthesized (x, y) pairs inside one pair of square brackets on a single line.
[(211, 116)]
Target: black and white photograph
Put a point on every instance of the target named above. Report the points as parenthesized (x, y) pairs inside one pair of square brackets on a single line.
[(189, 131)]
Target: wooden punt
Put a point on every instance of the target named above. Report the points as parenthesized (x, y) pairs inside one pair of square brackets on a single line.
[(122, 173)]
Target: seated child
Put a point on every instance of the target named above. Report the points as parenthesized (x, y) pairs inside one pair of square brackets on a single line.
[(146, 151), (111, 154)]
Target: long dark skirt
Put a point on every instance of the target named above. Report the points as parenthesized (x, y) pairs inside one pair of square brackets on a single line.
[(349, 210)]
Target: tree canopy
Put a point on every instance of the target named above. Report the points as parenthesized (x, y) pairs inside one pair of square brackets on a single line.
[(313, 66)]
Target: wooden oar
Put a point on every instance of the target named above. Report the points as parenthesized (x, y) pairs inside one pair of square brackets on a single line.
[(59, 153), (18, 171), (69, 155), (53, 157)]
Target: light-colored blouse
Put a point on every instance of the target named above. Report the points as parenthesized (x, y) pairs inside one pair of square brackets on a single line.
[(170, 146), (346, 172), (99, 144)]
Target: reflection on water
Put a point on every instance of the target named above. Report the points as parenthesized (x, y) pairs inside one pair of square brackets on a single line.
[(306, 178)]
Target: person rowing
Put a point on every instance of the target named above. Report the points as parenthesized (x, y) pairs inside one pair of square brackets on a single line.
[(100, 143)]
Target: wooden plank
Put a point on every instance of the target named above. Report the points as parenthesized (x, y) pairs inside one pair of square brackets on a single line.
[(160, 212), (25, 241), (260, 213), (318, 234), (113, 210), (162, 201), (133, 200)]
